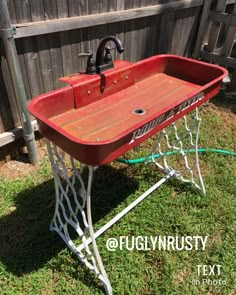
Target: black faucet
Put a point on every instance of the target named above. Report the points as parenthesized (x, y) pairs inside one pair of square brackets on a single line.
[(103, 62)]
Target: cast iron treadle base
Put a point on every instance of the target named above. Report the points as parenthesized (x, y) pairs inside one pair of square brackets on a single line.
[(73, 203)]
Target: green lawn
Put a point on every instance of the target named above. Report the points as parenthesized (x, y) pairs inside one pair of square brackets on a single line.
[(34, 260)]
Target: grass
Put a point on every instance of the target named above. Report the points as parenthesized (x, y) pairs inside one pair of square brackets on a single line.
[(36, 261)]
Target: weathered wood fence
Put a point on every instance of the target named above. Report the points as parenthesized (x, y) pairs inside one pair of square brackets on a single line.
[(51, 34), (216, 36)]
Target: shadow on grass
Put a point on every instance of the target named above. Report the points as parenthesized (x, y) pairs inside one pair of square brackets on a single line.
[(26, 244), (225, 100)]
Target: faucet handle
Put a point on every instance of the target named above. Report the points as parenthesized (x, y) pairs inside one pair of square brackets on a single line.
[(91, 67), (88, 53), (108, 48), (108, 57)]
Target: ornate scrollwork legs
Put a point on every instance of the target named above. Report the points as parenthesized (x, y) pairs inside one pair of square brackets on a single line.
[(183, 143), (73, 211), (73, 197)]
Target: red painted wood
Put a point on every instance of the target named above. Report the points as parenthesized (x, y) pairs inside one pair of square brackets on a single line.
[(96, 124), (80, 77), (108, 118)]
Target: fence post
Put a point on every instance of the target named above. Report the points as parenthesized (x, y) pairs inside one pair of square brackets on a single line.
[(202, 27), (7, 35)]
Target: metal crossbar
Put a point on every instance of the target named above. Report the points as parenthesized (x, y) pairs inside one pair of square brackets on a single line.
[(73, 197)]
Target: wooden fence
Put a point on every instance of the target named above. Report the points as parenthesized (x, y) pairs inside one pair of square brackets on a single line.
[(217, 33), (51, 34)]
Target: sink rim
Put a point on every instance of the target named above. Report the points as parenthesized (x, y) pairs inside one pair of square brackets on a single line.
[(113, 72)]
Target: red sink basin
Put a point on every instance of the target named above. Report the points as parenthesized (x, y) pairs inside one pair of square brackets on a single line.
[(100, 117)]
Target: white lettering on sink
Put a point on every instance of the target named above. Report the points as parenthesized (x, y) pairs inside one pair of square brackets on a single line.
[(146, 128)]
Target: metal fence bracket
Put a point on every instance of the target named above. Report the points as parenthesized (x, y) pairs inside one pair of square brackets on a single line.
[(7, 33)]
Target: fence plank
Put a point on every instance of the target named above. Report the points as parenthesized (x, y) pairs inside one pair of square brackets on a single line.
[(112, 5), (102, 6), (50, 9), (131, 4), (218, 59), (11, 9), (56, 59), (167, 32), (62, 9), (10, 91), (22, 60), (6, 119), (229, 39), (84, 10), (151, 33), (75, 50), (97, 33), (140, 33), (225, 18), (45, 68), (75, 36), (32, 67), (39, 28), (92, 7), (202, 28), (84, 47), (185, 29), (73, 8), (129, 35), (120, 5), (66, 53), (193, 32), (230, 1), (14, 134), (37, 10), (83, 7), (22, 11), (118, 28), (215, 27), (145, 50)]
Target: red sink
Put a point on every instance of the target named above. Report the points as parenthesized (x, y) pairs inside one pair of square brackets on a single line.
[(100, 117)]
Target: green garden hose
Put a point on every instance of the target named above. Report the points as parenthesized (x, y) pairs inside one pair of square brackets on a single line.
[(202, 150)]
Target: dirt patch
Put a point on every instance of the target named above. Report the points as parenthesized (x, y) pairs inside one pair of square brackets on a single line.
[(20, 167), (216, 238), (180, 276)]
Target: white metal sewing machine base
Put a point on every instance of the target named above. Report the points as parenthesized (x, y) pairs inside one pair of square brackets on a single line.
[(73, 197)]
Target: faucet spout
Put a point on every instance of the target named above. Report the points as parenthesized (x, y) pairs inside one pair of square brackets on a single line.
[(101, 64)]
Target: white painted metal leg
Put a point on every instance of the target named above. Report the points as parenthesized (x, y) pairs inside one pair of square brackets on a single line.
[(73, 212), (92, 237), (181, 142), (71, 203), (73, 207)]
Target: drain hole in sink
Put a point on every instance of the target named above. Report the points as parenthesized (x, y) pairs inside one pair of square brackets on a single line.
[(139, 111)]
